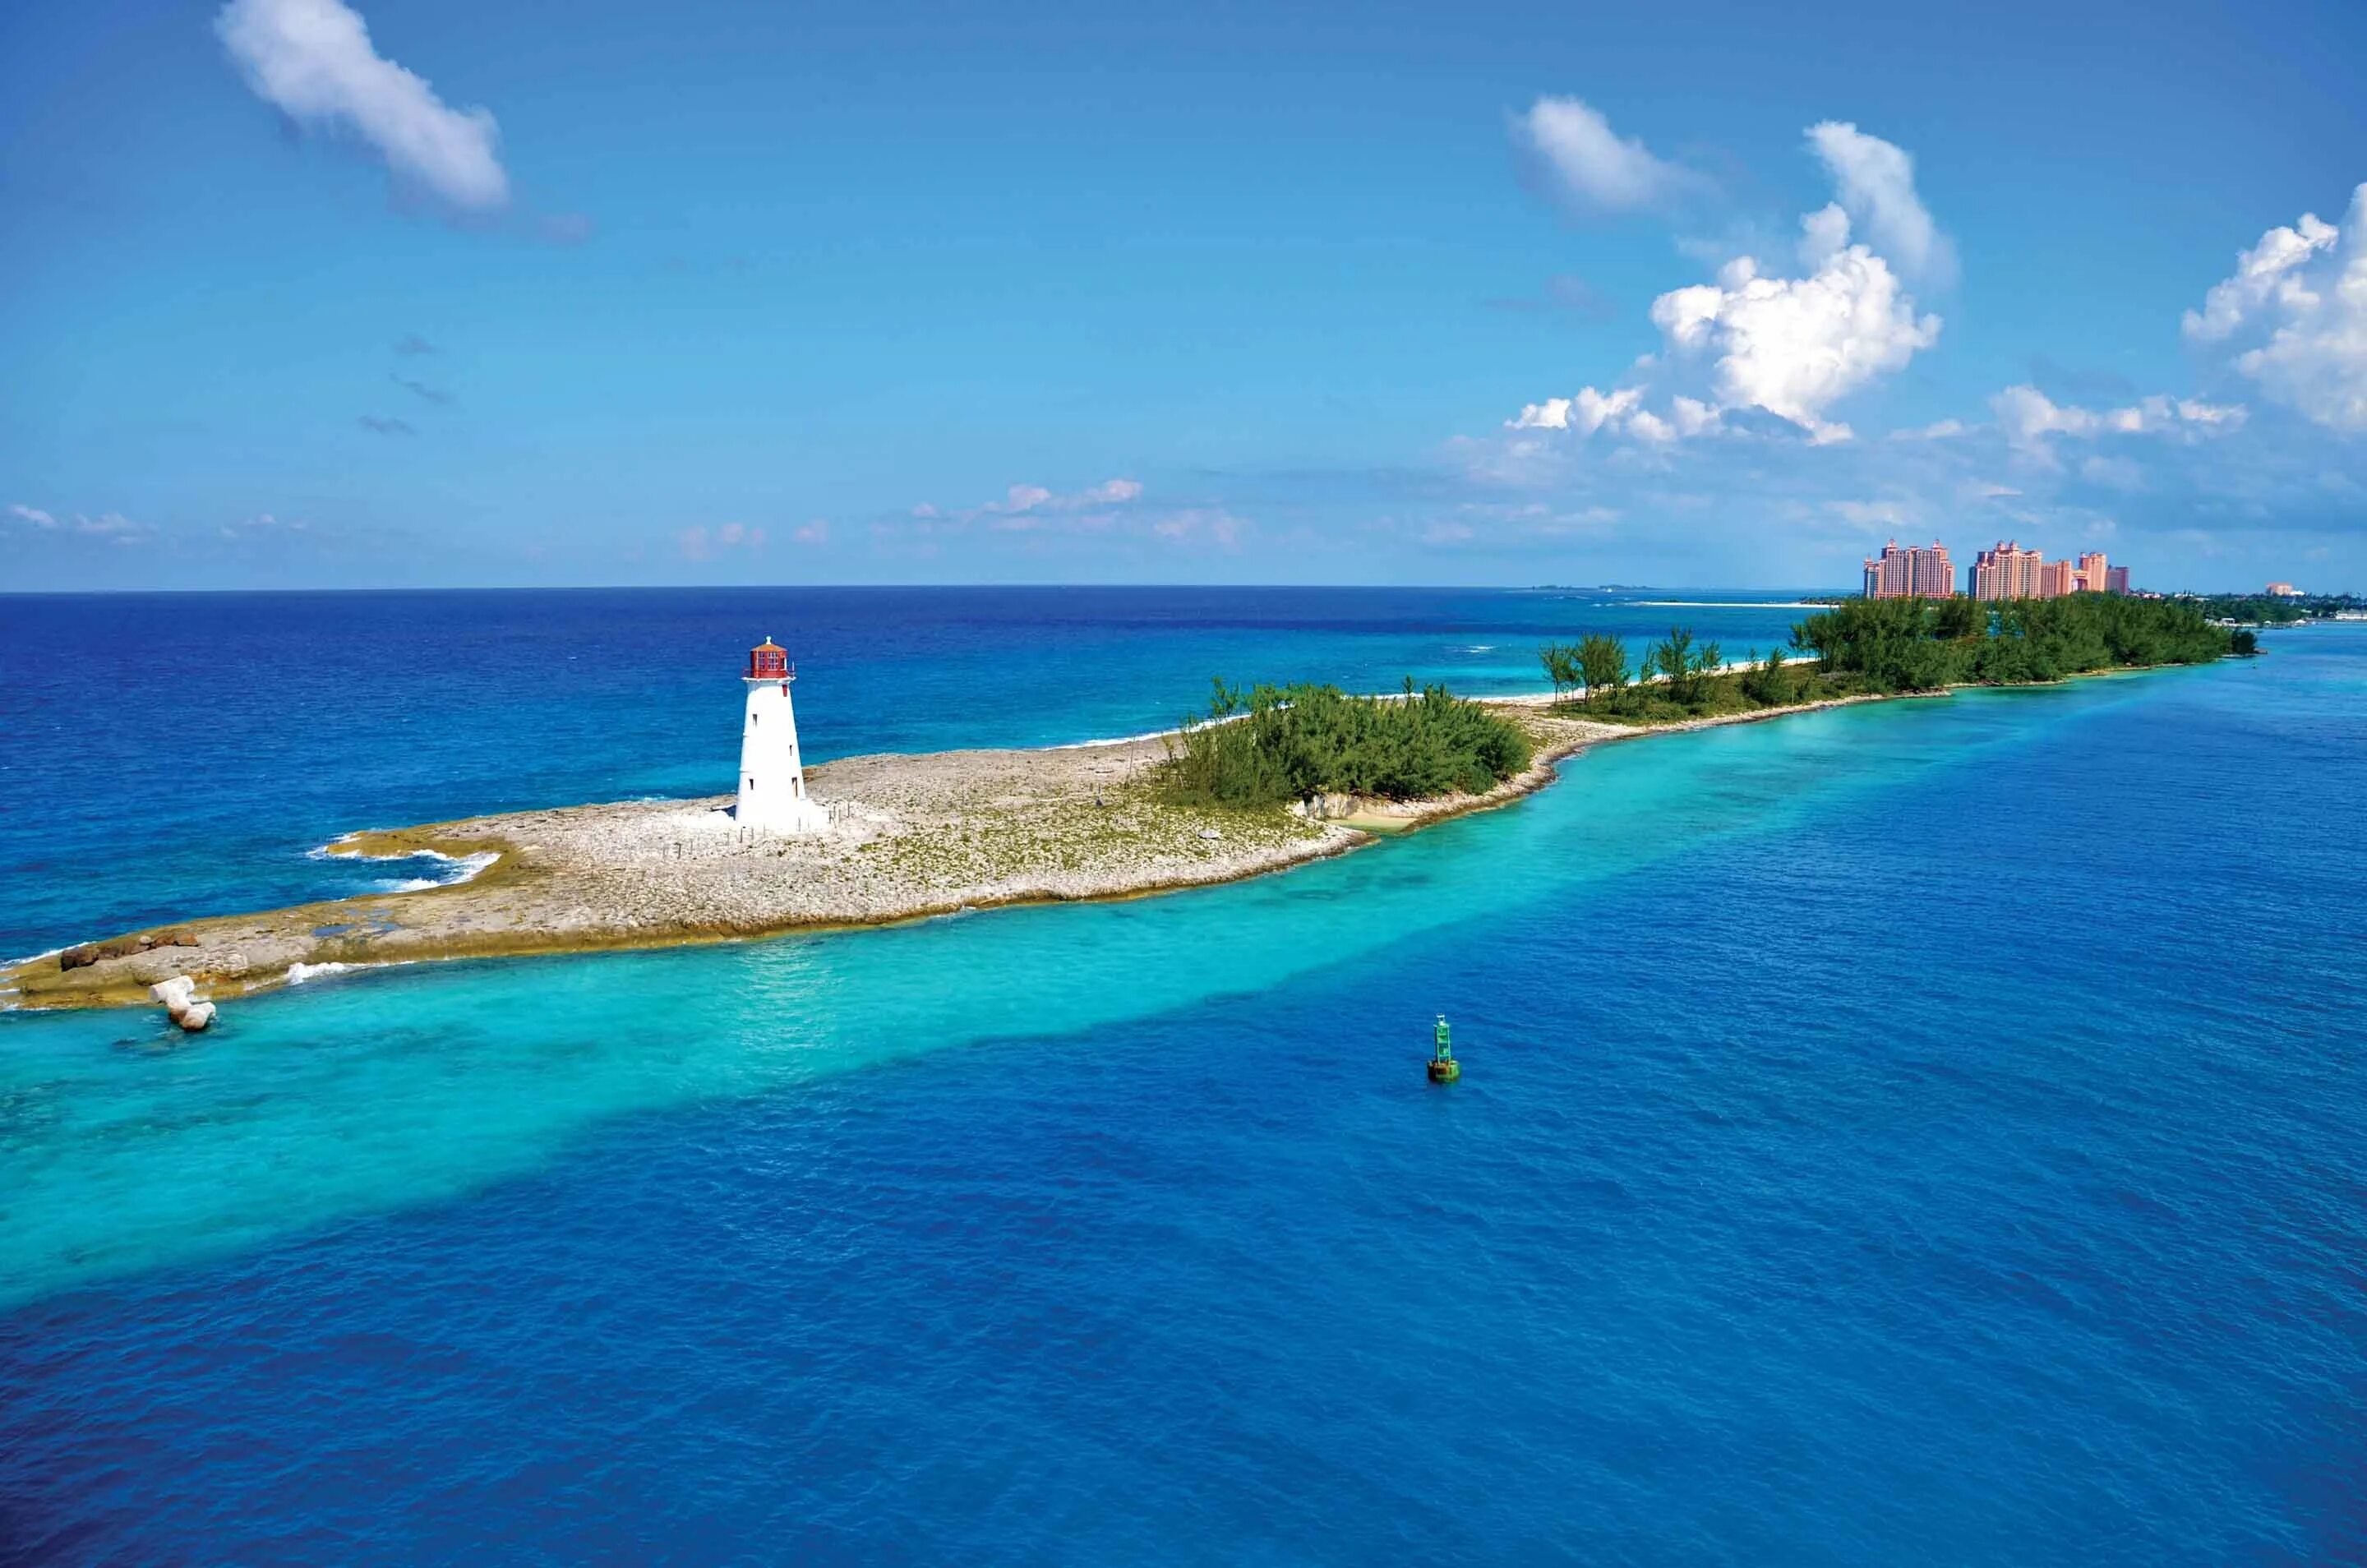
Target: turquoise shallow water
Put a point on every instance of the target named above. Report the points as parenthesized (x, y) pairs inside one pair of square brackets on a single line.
[(1915, 1131)]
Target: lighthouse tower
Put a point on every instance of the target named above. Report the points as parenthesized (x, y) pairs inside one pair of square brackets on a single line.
[(772, 775)]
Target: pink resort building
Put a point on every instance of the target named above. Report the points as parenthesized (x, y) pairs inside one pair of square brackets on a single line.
[(2008, 571), (1913, 572)]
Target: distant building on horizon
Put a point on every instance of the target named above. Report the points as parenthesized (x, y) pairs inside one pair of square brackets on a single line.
[(1914, 572), (2009, 571), (2285, 590)]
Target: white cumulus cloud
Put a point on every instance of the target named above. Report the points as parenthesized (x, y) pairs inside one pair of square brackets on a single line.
[(2299, 299), (1586, 413), (1875, 181), (313, 60), (1589, 165), (1790, 346), (1794, 345)]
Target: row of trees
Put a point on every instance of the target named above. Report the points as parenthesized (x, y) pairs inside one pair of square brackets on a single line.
[(1270, 745), (1908, 645), (1596, 664), (1894, 645)]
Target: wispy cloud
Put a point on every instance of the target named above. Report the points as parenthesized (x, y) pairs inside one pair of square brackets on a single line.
[(378, 426), (312, 60), (1875, 183), (2030, 419), (262, 525), (112, 526), (1025, 507), (700, 543), (411, 345), (421, 388), (1035, 498), (1570, 149), (1564, 294), (1201, 525)]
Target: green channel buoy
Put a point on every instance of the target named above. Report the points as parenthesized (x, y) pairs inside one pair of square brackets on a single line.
[(1444, 1067)]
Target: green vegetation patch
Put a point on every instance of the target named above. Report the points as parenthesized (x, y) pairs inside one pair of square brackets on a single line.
[(2259, 609), (1914, 645), (1882, 646), (1681, 680), (1270, 745)]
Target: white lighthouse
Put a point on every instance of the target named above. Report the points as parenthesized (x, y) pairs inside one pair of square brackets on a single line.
[(772, 797)]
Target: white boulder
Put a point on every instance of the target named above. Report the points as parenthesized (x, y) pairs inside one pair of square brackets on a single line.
[(179, 995)]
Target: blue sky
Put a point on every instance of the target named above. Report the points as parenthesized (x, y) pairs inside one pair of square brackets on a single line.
[(294, 292)]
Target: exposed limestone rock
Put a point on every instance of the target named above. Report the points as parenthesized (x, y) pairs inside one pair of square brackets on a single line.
[(909, 836), (179, 995)]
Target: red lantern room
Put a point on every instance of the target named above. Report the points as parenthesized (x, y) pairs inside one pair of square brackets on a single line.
[(767, 661)]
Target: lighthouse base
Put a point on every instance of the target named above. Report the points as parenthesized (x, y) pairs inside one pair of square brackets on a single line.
[(788, 819)]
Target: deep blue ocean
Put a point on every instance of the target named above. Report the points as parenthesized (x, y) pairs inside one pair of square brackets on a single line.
[(1925, 1131)]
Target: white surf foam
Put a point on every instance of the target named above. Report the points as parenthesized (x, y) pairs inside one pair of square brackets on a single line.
[(468, 866), (464, 866), (1109, 740)]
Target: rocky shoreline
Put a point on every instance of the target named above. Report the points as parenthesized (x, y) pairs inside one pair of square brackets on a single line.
[(909, 837)]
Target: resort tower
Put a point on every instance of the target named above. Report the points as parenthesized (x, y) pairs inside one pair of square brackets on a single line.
[(772, 797)]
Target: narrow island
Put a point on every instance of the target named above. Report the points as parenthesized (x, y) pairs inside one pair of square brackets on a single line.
[(1267, 778)]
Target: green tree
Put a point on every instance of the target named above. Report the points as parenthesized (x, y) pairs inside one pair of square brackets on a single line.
[(1682, 666), (1562, 669), (1602, 664), (1770, 684), (1958, 615)]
